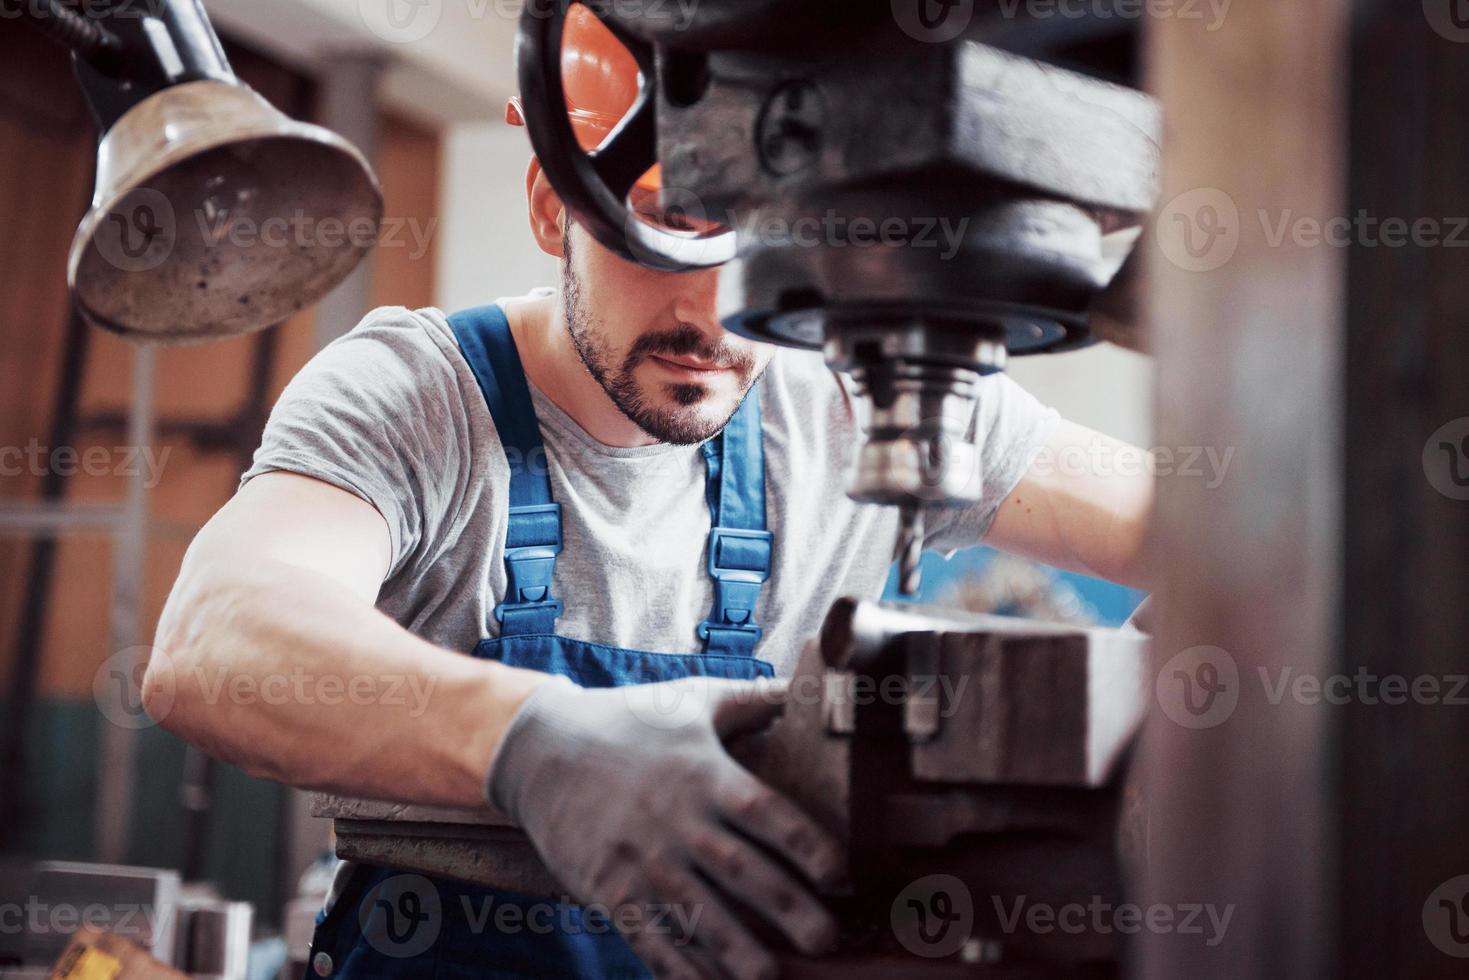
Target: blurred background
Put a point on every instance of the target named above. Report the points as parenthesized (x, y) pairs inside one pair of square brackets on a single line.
[(94, 521)]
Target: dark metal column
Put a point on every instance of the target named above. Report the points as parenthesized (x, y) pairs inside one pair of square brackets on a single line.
[(1405, 855)]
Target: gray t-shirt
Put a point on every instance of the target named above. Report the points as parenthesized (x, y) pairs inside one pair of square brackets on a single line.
[(391, 412)]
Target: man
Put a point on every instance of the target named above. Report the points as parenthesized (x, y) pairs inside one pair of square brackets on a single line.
[(406, 508)]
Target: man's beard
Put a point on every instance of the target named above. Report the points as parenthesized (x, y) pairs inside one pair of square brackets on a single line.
[(684, 425)]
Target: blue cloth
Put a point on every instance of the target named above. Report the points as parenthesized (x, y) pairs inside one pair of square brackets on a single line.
[(386, 924)]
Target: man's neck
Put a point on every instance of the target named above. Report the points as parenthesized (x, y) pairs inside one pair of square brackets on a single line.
[(550, 360)]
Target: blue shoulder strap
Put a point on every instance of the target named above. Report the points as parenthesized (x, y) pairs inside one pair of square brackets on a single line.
[(533, 539), (739, 545)]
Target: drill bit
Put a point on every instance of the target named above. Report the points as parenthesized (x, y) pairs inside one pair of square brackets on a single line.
[(910, 549)]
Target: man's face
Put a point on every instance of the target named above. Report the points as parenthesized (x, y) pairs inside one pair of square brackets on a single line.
[(652, 341)]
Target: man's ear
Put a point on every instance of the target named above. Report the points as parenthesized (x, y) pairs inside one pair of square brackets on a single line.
[(547, 213)]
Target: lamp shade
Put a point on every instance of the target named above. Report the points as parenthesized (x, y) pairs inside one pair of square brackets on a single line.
[(216, 215)]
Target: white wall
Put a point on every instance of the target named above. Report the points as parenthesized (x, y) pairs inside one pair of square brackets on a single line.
[(485, 245), (1104, 387)]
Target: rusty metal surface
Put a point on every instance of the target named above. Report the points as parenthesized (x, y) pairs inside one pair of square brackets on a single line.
[(498, 856)]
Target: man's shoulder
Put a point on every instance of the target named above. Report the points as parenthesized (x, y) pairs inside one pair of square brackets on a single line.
[(423, 332), (804, 376), (800, 392)]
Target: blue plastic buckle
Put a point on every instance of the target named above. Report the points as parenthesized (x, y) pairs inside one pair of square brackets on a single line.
[(530, 567), (739, 563)]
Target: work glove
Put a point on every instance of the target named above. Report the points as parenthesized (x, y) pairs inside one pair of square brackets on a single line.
[(634, 804)]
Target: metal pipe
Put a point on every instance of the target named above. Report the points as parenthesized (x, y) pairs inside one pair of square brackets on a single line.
[(115, 780)]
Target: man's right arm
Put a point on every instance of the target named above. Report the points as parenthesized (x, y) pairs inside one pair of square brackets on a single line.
[(271, 656), (631, 808)]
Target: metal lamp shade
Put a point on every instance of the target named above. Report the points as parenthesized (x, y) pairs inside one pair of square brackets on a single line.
[(217, 215)]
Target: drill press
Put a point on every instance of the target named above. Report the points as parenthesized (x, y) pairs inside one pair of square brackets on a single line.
[(875, 138)]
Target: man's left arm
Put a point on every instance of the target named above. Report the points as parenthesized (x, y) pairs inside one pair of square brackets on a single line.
[(1082, 505)]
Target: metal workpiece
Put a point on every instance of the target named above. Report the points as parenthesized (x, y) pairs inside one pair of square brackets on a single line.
[(985, 751)]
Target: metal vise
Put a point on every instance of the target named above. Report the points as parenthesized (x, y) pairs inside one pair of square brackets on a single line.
[(973, 765)]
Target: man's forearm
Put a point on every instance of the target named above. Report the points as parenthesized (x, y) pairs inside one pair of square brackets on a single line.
[(1083, 506), (286, 673)]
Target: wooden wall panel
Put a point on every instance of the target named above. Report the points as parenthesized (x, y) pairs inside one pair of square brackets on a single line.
[(207, 383), (409, 167)]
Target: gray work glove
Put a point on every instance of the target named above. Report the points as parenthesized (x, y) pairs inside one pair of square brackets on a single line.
[(634, 804)]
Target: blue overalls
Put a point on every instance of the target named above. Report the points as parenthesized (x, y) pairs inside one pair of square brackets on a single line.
[(373, 929)]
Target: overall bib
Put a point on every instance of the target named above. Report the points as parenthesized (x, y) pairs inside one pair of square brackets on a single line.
[(386, 924)]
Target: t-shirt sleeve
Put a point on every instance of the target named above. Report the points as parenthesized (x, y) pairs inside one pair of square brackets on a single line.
[(373, 414), (1010, 428)]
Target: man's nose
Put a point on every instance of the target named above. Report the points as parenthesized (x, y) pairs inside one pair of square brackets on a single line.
[(698, 303)]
